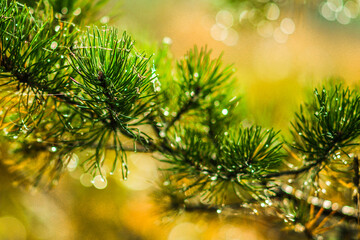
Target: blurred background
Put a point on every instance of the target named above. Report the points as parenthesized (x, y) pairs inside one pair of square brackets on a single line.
[(280, 49)]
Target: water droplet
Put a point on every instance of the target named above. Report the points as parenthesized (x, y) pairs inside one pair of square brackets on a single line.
[(224, 111), (214, 178), (219, 211), (77, 11), (196, 75), (53, 45), (167, 40), (162, 134), (166, 113), (99, 182), (15, 137), (105, 19), (53, 149)]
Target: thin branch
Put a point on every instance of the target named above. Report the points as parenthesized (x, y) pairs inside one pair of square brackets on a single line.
[(292, 172), (185, 108)]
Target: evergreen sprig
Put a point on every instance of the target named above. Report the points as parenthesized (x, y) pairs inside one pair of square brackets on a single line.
[(329, 124), (64, 90), (241, 161)]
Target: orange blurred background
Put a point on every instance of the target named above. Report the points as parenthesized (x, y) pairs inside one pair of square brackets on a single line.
[(274, 71)]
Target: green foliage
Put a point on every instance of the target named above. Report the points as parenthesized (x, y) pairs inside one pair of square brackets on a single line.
[(64, 90), (329, 123), (244, 157)]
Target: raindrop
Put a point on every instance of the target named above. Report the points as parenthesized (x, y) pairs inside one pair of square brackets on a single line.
[(273, 11), (53, 149), (224, 111), (77, 12), (64, 10), (162, 134), (219, 211), (99, 182), (167, 40), (105, 19)]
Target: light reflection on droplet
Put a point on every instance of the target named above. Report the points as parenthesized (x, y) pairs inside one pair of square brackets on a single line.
[(167, 41), (287, 26), (335, 5), (218, 32), (353, 8), (53, 149), (53, 45), (265, 29), (224, 18), (85, 179), (77, 11), (224, 111), (348, 210), (243, 15), (104, 19), (231, 38), (99, 182), (280, 36), (327, 12), (327, 204), (73, 162), (64, 10), (272, 12), (343, 16)]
